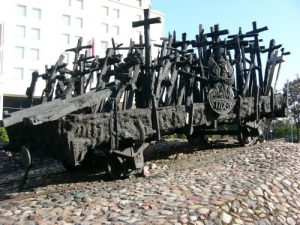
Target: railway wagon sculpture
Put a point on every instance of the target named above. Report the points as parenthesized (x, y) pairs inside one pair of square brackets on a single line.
[(193, 87)]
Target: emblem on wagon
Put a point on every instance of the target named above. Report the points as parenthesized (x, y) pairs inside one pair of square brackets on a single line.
[(221, 98)]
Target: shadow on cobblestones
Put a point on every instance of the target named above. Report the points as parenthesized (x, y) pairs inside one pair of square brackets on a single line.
[(48, 172), (251, 185)]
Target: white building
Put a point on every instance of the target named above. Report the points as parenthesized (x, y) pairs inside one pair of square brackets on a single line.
[(34, 33)]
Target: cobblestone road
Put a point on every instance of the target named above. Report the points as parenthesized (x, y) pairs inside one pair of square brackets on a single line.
[(253, 185)]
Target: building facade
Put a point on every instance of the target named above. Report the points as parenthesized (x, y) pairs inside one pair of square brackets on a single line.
[(34, 33)]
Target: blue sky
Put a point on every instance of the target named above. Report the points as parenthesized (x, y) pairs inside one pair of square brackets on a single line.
[(281, 16)]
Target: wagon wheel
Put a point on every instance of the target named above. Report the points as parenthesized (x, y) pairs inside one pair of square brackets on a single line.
[(197, 139), (115, 168), (27, 162), (93, 161), (248, 136), (261, 138), (244, 136), (251, 135), (260, 131), (68, 167), (25, 157)]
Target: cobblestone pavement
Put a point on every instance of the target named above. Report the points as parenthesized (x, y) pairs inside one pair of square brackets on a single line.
[(253, 185)]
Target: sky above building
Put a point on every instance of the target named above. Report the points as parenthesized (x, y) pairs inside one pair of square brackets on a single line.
[(281, 16)]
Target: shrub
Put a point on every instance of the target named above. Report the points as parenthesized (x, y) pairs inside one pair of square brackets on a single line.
[(3, 135)]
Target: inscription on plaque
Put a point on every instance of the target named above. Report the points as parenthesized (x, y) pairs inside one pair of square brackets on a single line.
[(221, 98)]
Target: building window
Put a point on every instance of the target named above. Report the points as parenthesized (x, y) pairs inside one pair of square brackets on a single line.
[(66, 20), (115, 30), (18, 74), (20, 31), (79, 4), (116, 13), (79, 22), (36, 13), (137, 35), (1, 34), (34, 54), (35, 33), (29, 75), (76, 39), (66, 39), (104, 27), (103, 46), (32, 70), (21, 10), (105, 11), (19, 52), (139, 2), (1, 62), (138, 17), (67, 3), (66, 59)]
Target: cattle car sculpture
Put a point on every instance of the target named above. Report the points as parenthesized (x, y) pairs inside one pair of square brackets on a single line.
[(193, 87)]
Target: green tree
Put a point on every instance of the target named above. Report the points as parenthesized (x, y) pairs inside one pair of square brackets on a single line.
[(294, 101), (282, 128)]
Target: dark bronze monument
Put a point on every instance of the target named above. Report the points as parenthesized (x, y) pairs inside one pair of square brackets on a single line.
[(193, 87)]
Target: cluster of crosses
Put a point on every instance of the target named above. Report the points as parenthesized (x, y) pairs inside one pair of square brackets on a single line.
[(120, 103), (182, 73)]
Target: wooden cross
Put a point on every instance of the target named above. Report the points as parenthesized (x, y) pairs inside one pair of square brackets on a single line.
[(283, 53), (147, 79), (270, 50), (77, 50), (215, 36), (115, 46), (271, 76), (146, 23), (256, 30), (215, 33), (183, 44), (50, 77), (201, 42)]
